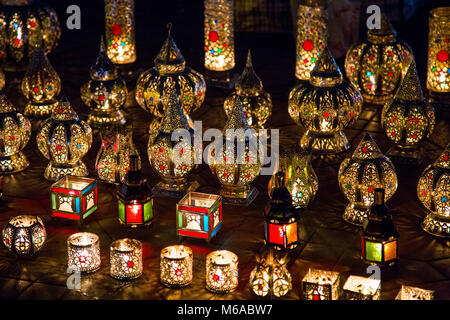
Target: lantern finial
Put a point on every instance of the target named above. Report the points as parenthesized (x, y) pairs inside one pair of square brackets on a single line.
[(5, 105), (249, 84), (444, 159), (174, 117), (236, 119), (103, 69), (410, 89), (326, 72), (169, 59), (385, 34), (367, 149), (64, 110)]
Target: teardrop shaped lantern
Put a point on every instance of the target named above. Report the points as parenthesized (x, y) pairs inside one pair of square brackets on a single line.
[(256, 102), (359, 175), (324, 106)]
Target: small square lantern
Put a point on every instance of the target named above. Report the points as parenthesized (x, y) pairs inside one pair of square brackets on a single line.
[(74, 198), (413, 293), (199, 215), (361, 288), (321, 285)]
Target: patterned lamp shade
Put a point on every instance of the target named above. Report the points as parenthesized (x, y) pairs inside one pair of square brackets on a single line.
[(222, 271), (64, 139), (324, 106), (24, 235), (126, 259), (321, 285), (362, 288)]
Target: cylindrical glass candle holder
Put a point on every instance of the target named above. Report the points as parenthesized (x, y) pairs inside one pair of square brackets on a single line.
[(221, 271), (24, 235), (126, 259), (176, 266), (119, 30), (83, 252)]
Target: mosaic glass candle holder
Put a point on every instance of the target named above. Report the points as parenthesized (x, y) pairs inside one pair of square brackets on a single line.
[(176, 266), (325, 105), (15, 131), (24, 235), (362, 288), (221, 271), (359, 176), (83, 250), (64, 139), (74, 198), (413, 293), (321, 285), (126, 259)]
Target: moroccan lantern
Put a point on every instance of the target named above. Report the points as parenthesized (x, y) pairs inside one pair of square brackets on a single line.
[(170, 76), (222, 271), (41, 86), (236, 164), (126, 259), (105, 93), (256, 102), (312, 35), (176, 266), (23, 24), (64, 139), (362, 288), (433, 190), (321, 285), (325, 105), (359, 176), (407, 119), (413, 293), (377, 65), (15, 131), (83, 252), (24, 235)]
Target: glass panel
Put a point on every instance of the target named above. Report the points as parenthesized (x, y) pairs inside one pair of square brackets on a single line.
[(390, 250), (373, 251)]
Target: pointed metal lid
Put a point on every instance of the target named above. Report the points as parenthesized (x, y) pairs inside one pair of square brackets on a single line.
[(169, 59), (410, 89), (64, 111), (326, 72), (367, 149), (5, 105), (249, 84), (443, 161), (103, 69), (174, 117), (386, 33), (236, 118)]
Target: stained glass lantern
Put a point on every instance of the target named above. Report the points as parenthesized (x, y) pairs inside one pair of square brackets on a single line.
[(119, 30), (135, 198), (176, 266), (199, 215), (237, 164), (438, 68), (24, 235), (173, 160), (15, 131), (282, 220), (219, 42), (362, 288), (312, 19), (377, 65), (433, 190), (105, 93), (413, 293), (83, 251), (359, 176), (170, 75), (74, 198), (301, 180), (221, 271), (64, 139), (256, 102), (321, 285), (23, 24), (407, 119), (41, 86), (379, 235), (113, 158), (270, 277), (126, 259), (324, 106)]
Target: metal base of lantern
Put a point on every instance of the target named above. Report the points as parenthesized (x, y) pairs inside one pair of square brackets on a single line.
[(169, 190), (355, 213), (41, 110), (405, 156), (139, 225), (221, 79), (55, 171), (325, 143), (12, 164), (240, 198), (101, 120), (436, 225)]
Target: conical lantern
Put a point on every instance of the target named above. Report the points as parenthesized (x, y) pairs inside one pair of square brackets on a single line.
[(377, 65), (359, 176), (237, 164), (15, 131), (170, 76), (325, 105), (256, 102), (64, 139), (105, 93), (41, 86), (433, 189), (407, 119), (172, 160)]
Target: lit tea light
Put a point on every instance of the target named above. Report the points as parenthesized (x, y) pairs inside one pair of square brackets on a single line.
[(24, 235), (361, 288), (221, 271), (126, 259), (83, 252), (176, 266), (413, 293), (321, 285)]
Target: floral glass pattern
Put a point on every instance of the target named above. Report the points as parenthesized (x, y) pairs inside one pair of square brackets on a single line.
[(126, 259), (221, 271), (83, 250), (176, 266), (24, 235)]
